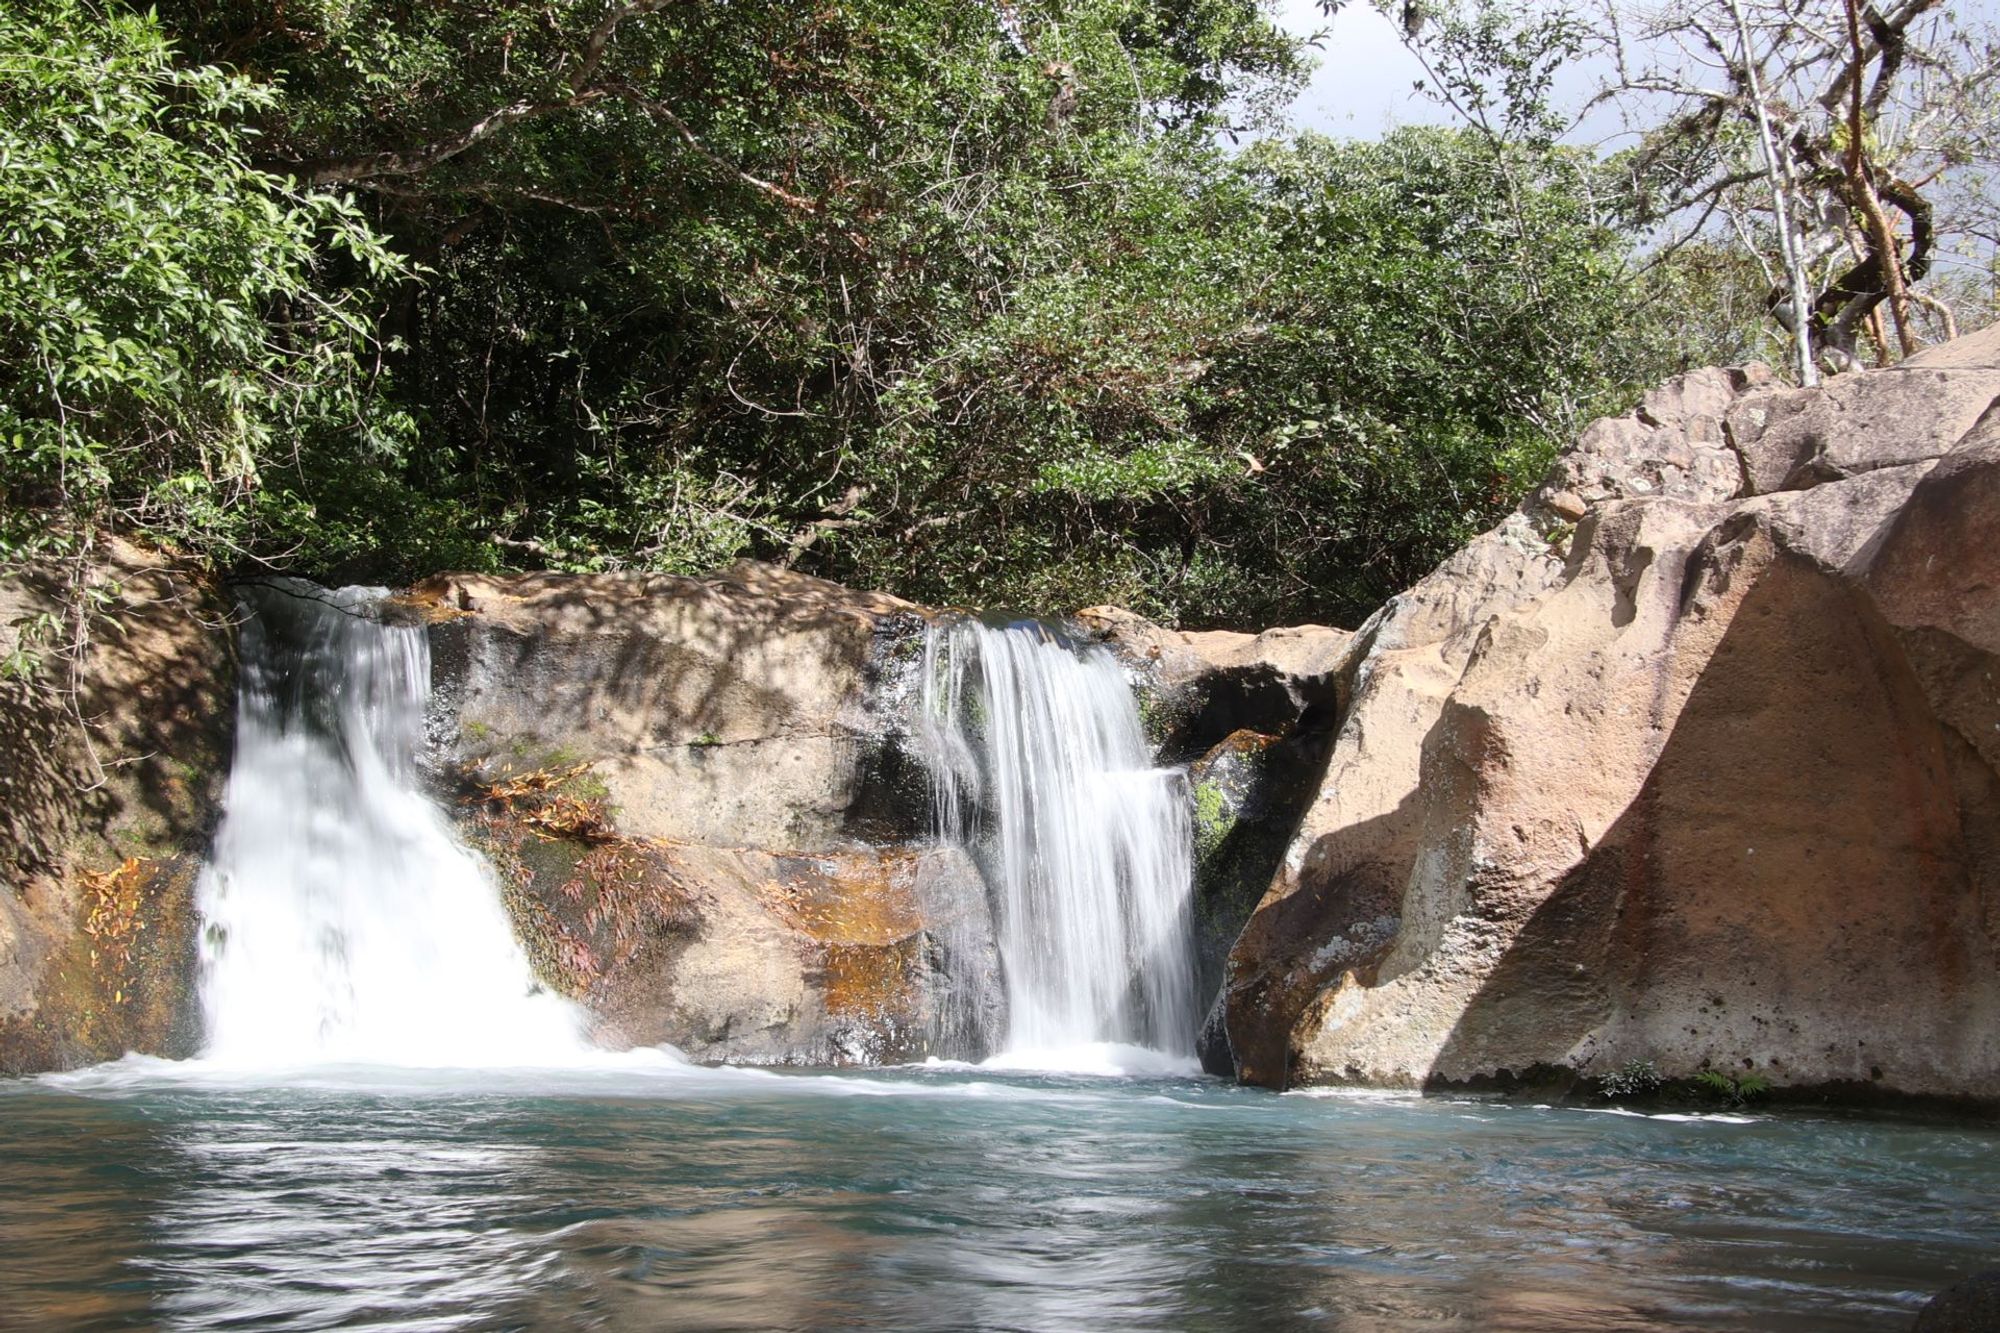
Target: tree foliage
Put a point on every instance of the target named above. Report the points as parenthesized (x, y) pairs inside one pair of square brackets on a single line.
[(972, 302), (173, 344)]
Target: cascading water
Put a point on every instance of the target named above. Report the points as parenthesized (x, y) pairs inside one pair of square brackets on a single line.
[(1039, 763), (343, 921)]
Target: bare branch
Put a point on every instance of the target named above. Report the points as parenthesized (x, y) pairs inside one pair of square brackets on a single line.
[(415, 161), (600, 37)]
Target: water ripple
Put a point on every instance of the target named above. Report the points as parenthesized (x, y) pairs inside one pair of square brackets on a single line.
[(952, 1199)]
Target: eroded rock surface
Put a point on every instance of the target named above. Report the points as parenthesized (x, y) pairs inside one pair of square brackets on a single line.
[(112, 762), (1709, 781), (737, 709), (728, 846), (1196, 688)]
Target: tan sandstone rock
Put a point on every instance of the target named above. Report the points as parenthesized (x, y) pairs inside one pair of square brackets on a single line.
[(112, 761), (745, 869), (1716, 791), (728, 709)]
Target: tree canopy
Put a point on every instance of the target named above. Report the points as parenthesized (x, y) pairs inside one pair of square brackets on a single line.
[(1026, 304)]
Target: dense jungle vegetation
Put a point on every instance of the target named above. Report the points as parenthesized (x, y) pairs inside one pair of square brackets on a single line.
[(1029, 304)]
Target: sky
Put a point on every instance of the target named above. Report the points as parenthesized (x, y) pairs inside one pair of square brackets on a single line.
[(1362, 86)]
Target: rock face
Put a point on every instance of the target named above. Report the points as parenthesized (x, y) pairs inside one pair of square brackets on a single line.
[(711, 832), (1968, 1306), (708, 828), (1711, 780), (1248, 792), (1197, 688), (696, 794), (111, 769)]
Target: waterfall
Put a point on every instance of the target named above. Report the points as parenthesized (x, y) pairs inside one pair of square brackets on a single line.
[(1039, 763), (343, 922)]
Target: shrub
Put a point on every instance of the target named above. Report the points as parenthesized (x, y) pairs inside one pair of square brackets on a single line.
[(1634, 1078)]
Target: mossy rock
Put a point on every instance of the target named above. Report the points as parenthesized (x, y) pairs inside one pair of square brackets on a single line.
[(1246, 795)]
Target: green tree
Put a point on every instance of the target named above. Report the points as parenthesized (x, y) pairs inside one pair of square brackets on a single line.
[(682, 259), (964, 301), (175, 342), (1292, 382)]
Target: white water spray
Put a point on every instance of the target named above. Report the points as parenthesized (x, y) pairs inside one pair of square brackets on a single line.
[(1038, 760), (343, 921)]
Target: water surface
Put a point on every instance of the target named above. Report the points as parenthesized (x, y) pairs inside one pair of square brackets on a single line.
[(626, 1197)]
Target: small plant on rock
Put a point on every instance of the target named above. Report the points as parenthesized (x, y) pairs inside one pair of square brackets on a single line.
[(1634, 1078), (1732, 1090)]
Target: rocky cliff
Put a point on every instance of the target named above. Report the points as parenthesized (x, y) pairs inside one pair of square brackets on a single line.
[(700, 798), (713, 829), (1693, 761), (114, 745)]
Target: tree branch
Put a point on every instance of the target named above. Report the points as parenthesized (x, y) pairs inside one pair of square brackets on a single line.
[(414, 161)]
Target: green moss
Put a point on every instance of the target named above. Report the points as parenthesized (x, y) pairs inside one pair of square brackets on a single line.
[(1161, 712), (525, 755), (1212, 820), (529, 753), (1151, 715)]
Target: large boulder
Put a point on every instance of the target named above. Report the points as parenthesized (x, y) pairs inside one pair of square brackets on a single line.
[(114, 746), (749, 708), (707, 822), (1710, 781)]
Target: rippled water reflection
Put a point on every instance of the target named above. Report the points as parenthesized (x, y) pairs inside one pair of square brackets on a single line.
[(921, 1199)]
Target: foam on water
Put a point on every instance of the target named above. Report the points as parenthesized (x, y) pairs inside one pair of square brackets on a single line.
[(1109, 1058), (648, 1074)]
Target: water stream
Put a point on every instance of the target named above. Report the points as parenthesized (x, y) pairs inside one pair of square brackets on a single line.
[(1040, 764), (343, 919), (138, 1197)]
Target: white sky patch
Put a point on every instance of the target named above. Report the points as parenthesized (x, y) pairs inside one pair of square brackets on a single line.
[(1365, 83), (1363, 86)]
